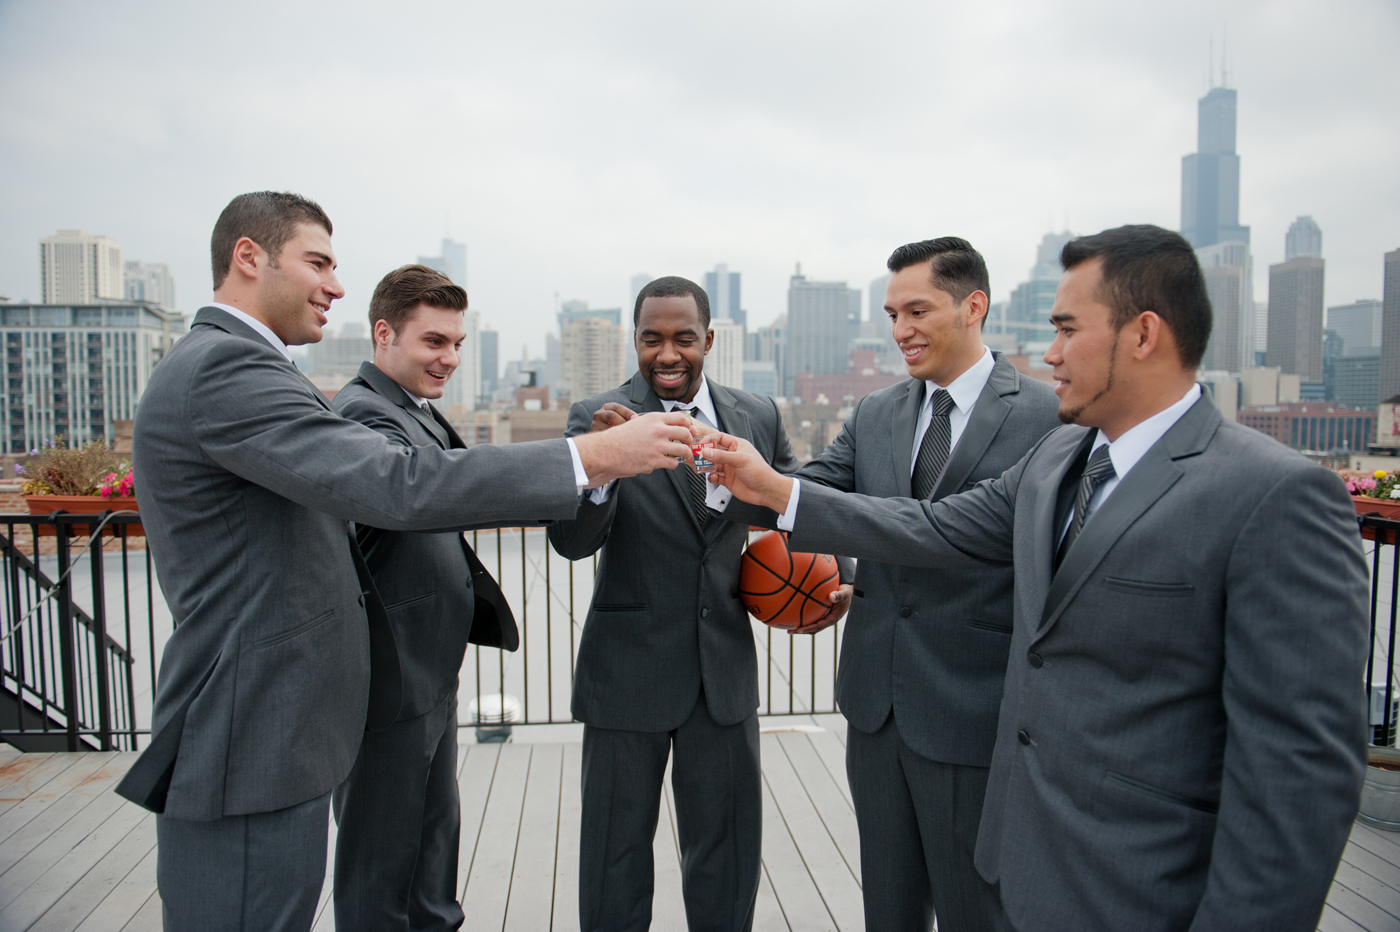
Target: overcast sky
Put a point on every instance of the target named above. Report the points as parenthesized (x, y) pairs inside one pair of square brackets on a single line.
[(572, 145)]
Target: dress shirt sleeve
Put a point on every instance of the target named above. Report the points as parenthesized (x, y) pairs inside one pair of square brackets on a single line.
[(789, 515), (580, 476)]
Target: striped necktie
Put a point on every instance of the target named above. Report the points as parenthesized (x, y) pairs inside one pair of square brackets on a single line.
[(933, 450), (1098, 471), (697, 480)]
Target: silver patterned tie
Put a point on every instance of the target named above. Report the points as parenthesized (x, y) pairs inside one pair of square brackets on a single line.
[(933, 450), (1098, 471), (697, 480)]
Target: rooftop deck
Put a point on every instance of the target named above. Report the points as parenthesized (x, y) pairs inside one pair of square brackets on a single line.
[(74, 856)]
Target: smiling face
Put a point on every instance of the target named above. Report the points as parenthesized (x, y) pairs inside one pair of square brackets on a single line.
[(1086, 349), (425, 352), (939, 337), (672, 342), (295, 293)]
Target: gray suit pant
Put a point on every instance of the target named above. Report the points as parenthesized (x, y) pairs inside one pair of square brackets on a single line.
[(400, 822), (252, 873), (918, 822), (717, 787)]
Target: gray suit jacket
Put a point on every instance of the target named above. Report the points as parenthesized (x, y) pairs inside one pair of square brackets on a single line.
[(1182, 738), (247, 481), (929, 644), (666, 616), (437, 594)]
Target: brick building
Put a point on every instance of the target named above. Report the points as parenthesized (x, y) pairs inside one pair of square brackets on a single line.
[(1313, 425)]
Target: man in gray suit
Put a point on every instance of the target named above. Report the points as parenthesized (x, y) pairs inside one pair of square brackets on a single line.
[(923, 656), (666, 663), (1182, 736), (248, 479), (399, 812)]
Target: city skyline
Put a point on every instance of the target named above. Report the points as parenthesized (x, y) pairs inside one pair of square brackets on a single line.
[(550, 169)]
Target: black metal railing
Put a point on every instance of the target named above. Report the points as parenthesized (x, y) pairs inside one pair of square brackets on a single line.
[(65, 682), (1382, 688)]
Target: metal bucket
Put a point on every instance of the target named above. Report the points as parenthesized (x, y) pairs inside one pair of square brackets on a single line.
[(1380, 794)]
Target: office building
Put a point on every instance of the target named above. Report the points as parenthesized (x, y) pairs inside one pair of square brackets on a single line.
[(1390, 328), (629, 316), (1210, 177), (725, 362), (1229, 273), (1026, 314), (1359, 326), (1261, 331), (769, 344), (1355, 381), (1304, 238), (1295, 316), (150, 282), (722, 288), (875, 308), (592, 354), (1313, 425), (490, 362), (463, 387), (74, 369), (819, 324), (452, 261), (861, 378), (339, 354), (76, 267), (761, 378)]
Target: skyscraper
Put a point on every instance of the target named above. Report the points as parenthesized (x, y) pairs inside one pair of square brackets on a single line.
[(818, 327), (592, 354), (1295, 310), (149, 281), (452, 262), (1229, 273), (1027, 312), (1304, 239), (76, 267), (1390, 329), (490, 362), (725, 362), (1359, 326), (465, 383), (722, 288), (1210, 177), (875, 310), (634, 288)]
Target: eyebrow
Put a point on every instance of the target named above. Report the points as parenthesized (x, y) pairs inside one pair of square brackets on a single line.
[(442, 336), (687, 331), (312, 254), (1061, 317)]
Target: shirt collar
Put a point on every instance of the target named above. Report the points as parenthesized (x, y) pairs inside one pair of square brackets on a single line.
[(1138, 439), (262, 329), (966, 388), (418, 402), (702, 400)]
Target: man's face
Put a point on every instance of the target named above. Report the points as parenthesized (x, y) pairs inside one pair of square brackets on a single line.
[(671, 346), (296, 293), (1085, 351), (425, 352), (932, 330)]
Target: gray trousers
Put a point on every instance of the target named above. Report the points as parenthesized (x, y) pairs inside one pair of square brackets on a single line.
[(253, 873), (717, 786), (400, 823), (918, 822)]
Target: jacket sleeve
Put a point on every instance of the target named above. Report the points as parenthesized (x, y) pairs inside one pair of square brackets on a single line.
[(1295, 646), (586, 533)]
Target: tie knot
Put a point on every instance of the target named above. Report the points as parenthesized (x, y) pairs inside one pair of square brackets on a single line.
[(1100, 467), (942, 403)]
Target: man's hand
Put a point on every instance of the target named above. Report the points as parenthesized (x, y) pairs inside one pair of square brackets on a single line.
[(611, 414), (744, 472), (840, 603), (641, 444)]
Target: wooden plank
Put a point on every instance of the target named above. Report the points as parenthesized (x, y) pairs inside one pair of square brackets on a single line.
[(1333, 921), (1377, 867), (488, 884), (474, 788), (1359, 909), (833, 755), (1364, 885), (832, 807), (8, 752), (835, 881), (796, 893), (55, 869), (767, 914), (1376, 841), (81, 899), (148, 918), (531, 904), (16, 817), (56, 816), (23, 776), (566, 858), (126, 899), (667, 901)]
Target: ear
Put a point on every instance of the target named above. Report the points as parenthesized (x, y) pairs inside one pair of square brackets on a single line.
[(975, 307), (383, 333), (249, 259), (1148, 336), (709, 341)]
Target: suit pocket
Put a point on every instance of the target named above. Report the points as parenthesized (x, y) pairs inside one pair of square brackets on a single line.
[(407, 603), (1147, 789), (983, 624), (298, 631), (620, 607), (1144, 587)]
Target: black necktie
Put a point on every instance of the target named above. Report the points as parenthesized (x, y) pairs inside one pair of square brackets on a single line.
[(1098, 471), (697, 480), (933, 450)]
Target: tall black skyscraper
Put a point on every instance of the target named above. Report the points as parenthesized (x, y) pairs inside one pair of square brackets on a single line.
[(1210, 177)]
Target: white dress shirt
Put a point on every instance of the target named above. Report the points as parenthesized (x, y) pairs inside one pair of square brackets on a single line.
[(716, 496)]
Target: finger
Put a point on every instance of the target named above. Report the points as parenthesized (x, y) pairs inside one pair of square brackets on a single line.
[(622, 411)]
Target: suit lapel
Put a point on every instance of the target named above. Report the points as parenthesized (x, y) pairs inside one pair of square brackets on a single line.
[(1046, 530), (906, 418), (981, 429), (646, 401), (390, 390), (1148, 481)]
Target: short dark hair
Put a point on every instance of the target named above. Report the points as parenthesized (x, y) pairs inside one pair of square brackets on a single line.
[(268, 218), (408, 286), (673, 286), (956, 267), (1147, 268)]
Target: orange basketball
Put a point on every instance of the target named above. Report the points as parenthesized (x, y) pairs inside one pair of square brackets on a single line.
[(786, 589)]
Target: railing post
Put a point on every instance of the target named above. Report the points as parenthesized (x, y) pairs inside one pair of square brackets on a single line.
[(99, 636), (66, 647)]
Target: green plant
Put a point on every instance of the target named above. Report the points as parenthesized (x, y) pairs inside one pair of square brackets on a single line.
[(54, 468)]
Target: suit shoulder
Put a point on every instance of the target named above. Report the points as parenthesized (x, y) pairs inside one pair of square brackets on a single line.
[(620, 395), (1247, 448), (890, 393), (357, 397)]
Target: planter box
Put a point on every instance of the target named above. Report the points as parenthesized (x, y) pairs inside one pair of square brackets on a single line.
[(1380, 794), (1380, 507), (82, 505)]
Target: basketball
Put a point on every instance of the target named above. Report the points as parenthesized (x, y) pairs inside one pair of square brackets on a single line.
[(785, 589)]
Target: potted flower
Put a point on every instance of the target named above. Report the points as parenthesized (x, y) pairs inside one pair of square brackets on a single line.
[(79, 480), (1376, 493)]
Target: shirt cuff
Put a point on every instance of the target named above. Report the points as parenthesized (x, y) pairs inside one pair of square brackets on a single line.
[(580, 477), (600, 495), (789, 517), (716, 496)]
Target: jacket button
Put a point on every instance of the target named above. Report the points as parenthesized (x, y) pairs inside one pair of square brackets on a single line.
[(1023, 737), (704, 613), (905, 611), (1036, 661)]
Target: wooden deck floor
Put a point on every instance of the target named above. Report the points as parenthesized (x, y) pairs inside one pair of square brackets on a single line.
[(74, 856)]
